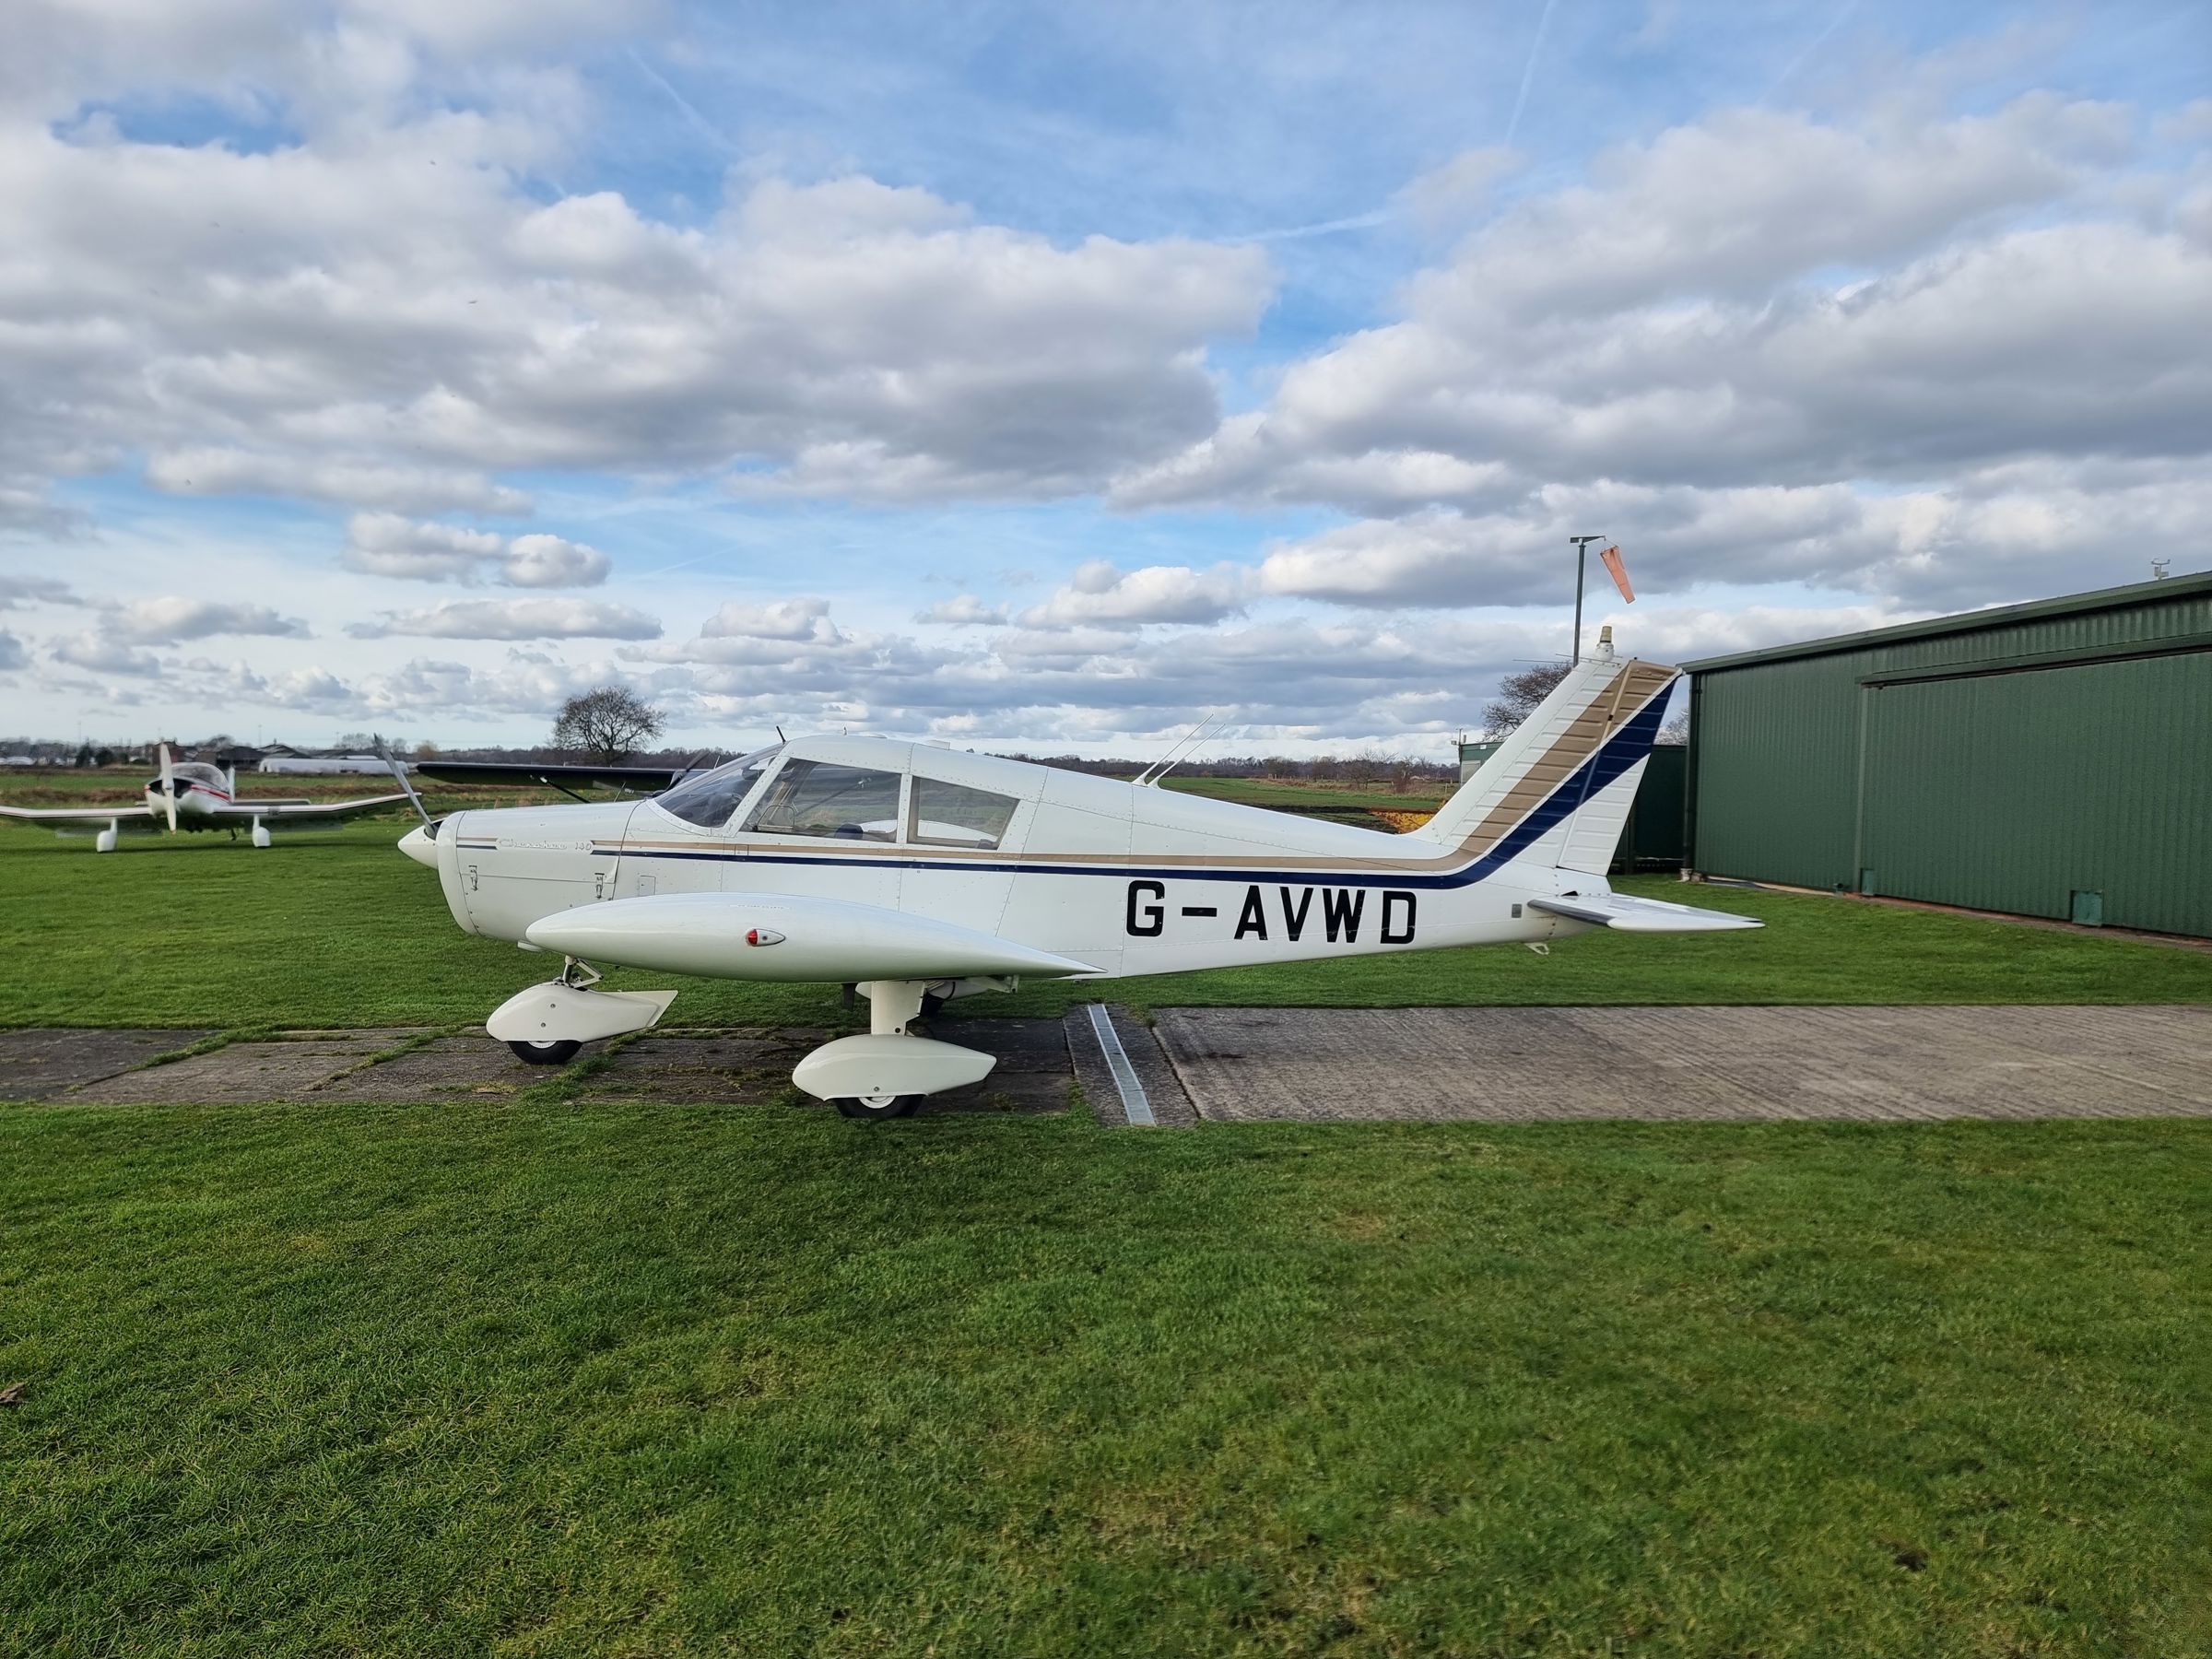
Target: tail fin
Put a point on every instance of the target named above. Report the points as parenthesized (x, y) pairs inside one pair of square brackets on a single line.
[(1559, 787)]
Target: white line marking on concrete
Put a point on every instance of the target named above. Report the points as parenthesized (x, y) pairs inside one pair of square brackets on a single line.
[(1136, 1105)]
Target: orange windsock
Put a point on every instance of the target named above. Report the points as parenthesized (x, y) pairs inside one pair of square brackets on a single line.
[(1610, 558)]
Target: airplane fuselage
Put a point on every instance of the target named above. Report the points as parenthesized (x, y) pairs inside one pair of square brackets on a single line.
[(1124, 878)]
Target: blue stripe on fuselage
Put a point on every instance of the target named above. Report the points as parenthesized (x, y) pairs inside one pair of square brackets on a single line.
[(1621, 752)]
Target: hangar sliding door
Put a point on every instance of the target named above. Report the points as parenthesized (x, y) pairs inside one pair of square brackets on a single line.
[(2075, 792)]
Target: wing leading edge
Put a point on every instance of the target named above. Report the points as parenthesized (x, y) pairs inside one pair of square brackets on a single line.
[(787, 936)]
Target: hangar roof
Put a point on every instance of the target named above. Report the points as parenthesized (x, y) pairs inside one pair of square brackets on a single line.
[(2172, 587)]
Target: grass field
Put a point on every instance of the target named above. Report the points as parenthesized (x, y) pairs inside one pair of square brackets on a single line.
[(532, 1375), (528, 1378), (337, 928)]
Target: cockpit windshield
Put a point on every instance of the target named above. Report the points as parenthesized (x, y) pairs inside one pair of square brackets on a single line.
[(710, 799), (189, 772)]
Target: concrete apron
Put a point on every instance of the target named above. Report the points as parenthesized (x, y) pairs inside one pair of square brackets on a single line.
[(1306, 1064)]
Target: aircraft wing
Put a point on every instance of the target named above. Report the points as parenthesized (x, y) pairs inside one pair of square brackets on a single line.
[(652, 779), (1625, 913), (787, 936), (82, 815), (295, 809)]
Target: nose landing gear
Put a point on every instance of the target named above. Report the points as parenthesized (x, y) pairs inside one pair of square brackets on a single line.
[(548, 1024)]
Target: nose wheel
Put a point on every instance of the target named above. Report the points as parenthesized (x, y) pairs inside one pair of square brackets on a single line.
[(876, 1106)]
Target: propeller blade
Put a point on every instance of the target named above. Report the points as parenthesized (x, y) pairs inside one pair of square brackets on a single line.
[(400, 773), (169, 790)]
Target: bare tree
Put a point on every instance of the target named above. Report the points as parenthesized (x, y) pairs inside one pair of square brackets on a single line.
[(607, 724), (1518, 695), (1676, 732)]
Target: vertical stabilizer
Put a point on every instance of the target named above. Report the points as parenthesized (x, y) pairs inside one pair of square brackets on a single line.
[(1560, 785)]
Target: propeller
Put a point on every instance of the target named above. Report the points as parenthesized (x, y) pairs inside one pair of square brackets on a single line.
[(169, 790), (400, 773)]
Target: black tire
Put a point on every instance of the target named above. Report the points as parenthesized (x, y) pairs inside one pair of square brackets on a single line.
[(545, 1054), (876, 1106)]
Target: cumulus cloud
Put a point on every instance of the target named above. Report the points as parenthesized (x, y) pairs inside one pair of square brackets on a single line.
[(311, 319), (1843, 333), (34, 590), (171, 619), (405, 487), (11, 652), (103, 655), (514, 620), (385, 544), (1102, 594), (963, 610), (795, 618)]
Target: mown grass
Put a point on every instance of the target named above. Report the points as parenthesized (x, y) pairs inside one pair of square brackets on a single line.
[(339, 929), (542, 1378)]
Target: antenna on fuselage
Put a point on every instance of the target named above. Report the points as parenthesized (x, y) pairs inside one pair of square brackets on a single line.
[(1178, 752)]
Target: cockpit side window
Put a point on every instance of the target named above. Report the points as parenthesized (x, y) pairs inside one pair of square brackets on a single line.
[(815, 797), (710, 799), (952, 815)]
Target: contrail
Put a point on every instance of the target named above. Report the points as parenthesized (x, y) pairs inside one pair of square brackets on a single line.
[(707, 129), (1529, 72), (1359, 221), (1810, 47), (682, 564)]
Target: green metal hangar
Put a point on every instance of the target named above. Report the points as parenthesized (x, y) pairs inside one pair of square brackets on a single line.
[(2047, 759)]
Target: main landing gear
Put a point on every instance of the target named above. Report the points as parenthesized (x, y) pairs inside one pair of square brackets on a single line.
[(876, 1106), (547, 1054), (883, 1075)]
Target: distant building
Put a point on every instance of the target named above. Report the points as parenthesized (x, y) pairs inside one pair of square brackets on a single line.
[(324, 765), (1471, 756)]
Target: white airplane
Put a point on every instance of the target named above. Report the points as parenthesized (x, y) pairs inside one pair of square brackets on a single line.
[(192, 795), (918, 873)]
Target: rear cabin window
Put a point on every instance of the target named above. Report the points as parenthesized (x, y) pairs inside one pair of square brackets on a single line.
[(813, 797), (708, 800), (952, 815)]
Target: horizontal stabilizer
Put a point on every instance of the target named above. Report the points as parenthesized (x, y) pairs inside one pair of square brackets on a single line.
[(1624, 913)]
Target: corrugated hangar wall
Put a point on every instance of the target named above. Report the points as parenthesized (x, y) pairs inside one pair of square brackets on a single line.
[(2049, 759)]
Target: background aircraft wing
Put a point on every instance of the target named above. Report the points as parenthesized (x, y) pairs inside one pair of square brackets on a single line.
[(281, 809), (1630, 915), (83, 815), (649, 780)]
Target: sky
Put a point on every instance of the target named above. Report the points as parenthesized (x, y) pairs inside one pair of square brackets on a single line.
[(1052, 377)]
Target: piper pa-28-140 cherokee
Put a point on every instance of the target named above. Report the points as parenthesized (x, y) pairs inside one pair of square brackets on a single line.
[(918, 873), (191, 795)]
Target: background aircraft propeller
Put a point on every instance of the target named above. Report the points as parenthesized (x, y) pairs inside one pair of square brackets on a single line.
[(169, 790), (400, 773)]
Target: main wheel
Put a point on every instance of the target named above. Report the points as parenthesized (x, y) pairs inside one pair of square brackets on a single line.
[(876, 1106), (545, 1054)]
